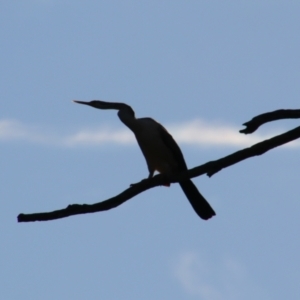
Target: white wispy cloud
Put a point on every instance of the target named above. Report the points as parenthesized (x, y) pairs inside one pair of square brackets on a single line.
[(199, 132), (99, 137), (225, 280), (14, 130), (195, 133)]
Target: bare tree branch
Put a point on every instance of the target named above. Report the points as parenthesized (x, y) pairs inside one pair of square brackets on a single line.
[(209, 168), (259, 120)]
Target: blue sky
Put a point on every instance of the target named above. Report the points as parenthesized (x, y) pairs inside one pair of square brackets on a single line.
[(201, 68)]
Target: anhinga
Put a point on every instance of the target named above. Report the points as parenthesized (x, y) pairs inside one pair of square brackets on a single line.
[(160, 150)]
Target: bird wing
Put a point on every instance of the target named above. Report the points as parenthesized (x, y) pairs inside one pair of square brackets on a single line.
[(173, 147)]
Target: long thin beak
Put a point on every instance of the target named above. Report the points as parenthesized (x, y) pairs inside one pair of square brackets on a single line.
[(81, 102), (102, 104)]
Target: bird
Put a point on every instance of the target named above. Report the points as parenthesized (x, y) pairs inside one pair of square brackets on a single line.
[(161, 152)]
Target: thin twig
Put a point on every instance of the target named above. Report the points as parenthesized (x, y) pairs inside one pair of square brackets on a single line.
[(259, 120)]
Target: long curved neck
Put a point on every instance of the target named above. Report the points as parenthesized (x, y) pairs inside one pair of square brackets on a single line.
[(128, 119)]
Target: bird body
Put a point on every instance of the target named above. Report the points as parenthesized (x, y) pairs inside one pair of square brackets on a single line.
[(160, 150), (157, 155)]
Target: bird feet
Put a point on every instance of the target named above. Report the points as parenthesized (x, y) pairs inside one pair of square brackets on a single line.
[(166, 181)]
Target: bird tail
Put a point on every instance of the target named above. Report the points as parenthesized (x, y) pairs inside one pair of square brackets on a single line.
[(198, 202)]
